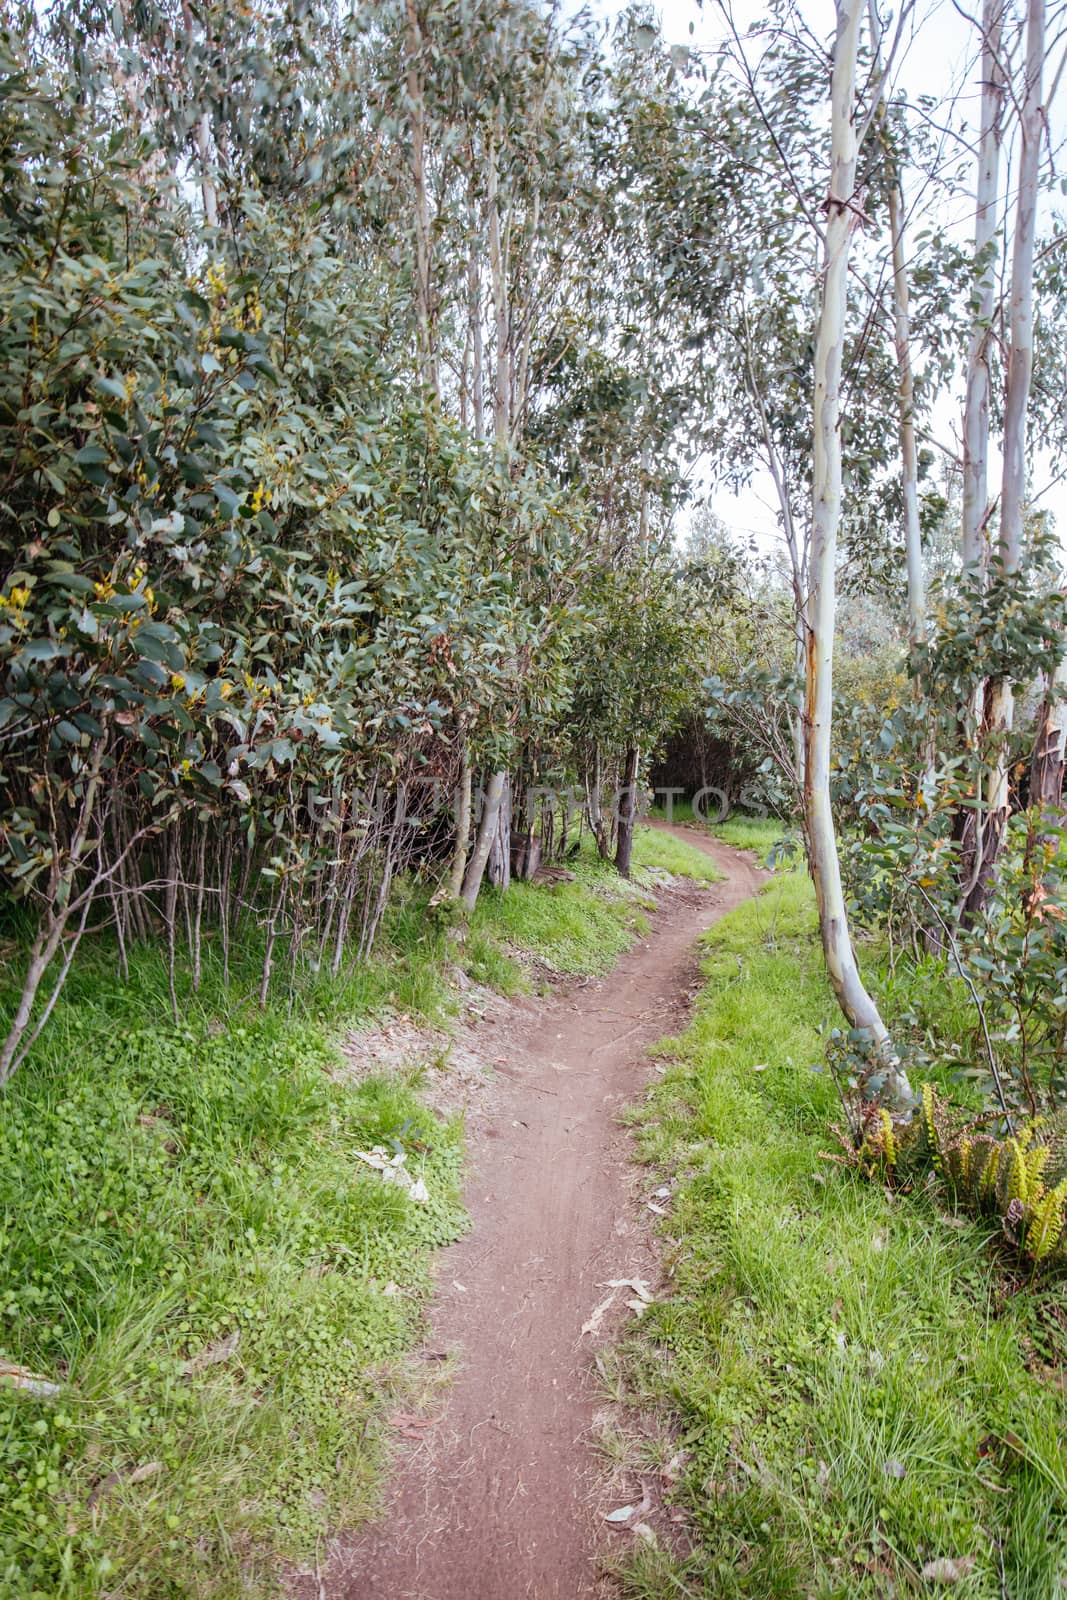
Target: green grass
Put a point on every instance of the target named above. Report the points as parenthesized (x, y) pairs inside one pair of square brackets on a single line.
[(740, 828), (760, 834), (653, 848), (849, 1373), (164, 1188), (575, 927), (572, 928)]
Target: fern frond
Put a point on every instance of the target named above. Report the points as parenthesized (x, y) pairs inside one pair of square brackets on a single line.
[(1046, 1230)]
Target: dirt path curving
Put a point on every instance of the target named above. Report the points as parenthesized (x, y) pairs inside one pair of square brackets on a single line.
[(500, 1498)]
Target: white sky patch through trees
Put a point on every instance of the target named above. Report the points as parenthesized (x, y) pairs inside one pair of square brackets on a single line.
[(938, 57)]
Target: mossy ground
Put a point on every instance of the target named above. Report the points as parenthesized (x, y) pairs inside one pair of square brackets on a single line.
[(860, 1388)]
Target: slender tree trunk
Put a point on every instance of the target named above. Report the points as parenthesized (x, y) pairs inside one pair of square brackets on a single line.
[(483, 844), (1046, 767), (474, 314), (498, 274), (852, 996), (417, 115), (61, 905), (968, 829), (463, 825), (593, 808), (976, 403), (627, 811), (1016, 400), (208, 192), (909, 455)]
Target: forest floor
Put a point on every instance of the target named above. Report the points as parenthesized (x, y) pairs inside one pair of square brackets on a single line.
[(500, 1492)]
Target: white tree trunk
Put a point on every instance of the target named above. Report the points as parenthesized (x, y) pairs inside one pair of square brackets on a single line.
[(909, 455), (417, 115), (208, 192), (852, 996), (498, 274), (472, 882), (1016, 400), (976, 403)]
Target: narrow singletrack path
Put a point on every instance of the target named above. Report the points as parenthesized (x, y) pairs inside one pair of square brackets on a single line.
[(500, 1499)]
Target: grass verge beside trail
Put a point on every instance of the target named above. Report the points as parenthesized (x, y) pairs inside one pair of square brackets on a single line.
[(194, 1255), (859, 1389), (576, 927), (740, 828), (653, 848), (194, 1252)]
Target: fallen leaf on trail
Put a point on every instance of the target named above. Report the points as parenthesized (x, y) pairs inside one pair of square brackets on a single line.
[(462, 1287), (214, 1354), (661, 1211), (148, 1470), (32, 1382), (638, 1285), (639, 1307), (948, 1569), (643, 1531), (623, 1514), (593, 1325), (408, 1425), (663, 1192), (676, 1466)]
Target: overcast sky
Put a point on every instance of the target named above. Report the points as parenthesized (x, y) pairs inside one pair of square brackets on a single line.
[(939, 58)]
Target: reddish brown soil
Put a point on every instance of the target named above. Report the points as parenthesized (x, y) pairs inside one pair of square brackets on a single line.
[(503, 1497)]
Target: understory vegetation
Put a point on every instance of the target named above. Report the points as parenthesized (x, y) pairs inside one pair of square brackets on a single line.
[(206, 1292), (372, 378), (866, 1395)]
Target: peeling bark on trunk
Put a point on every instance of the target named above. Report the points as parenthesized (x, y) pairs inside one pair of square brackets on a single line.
[(498, 866), (855, 1002)]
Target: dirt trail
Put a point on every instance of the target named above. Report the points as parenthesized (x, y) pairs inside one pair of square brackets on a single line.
[(500, 1499)]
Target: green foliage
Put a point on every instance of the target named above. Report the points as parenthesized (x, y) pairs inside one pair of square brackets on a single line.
[(250, 586), (195, 1255), (1019, 1179), (854, 1392)]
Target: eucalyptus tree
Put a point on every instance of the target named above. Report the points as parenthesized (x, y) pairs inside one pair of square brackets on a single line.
[(1020, 359)]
